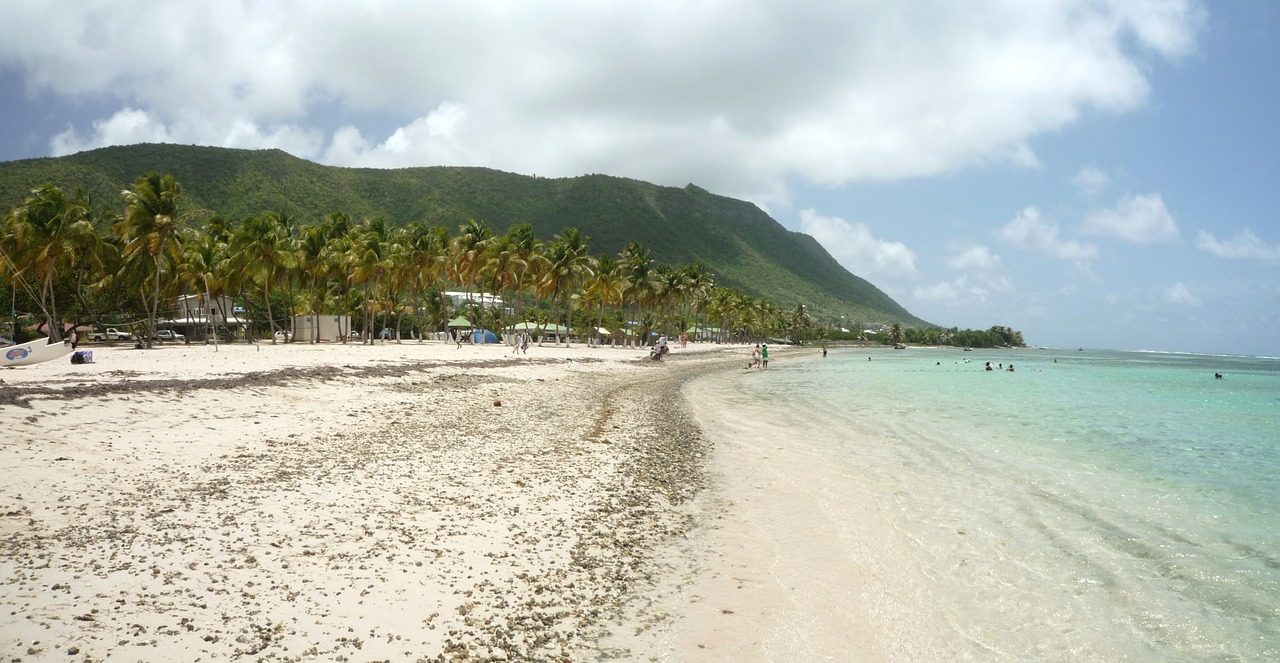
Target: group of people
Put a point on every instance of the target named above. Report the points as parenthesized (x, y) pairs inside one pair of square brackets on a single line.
[(759, 356), (660, 349), (521, 345)]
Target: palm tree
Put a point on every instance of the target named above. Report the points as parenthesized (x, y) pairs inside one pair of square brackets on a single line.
[(502, 265), (401, 276), (201, 269), (723, 305), (638, 268), (698, 283), (799, 321), (437, 309), (668, 289), (528, 257), (428, 247), (604, 286), (895, 333), (314, 264), (369, 265), (466, 252), (263, 252), (567, 263), (151, 229), (96, 254), (339, 264), (772, 317), (41, 237), (748, 315)]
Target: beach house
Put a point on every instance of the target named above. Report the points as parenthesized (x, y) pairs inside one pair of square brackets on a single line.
[(196, 318)]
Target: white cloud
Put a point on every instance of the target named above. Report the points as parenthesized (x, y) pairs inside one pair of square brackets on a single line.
[(983, 274), (937, 292), (437, 137), (1180, 295), (1245, 245), (963, 291), (739, 97), (972, 256), (127, 127), (1090, 181), (853, 246), (1137, 219), (1029, 232), (131, 126)]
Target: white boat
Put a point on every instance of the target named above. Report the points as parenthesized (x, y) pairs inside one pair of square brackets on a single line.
[(35, 352)]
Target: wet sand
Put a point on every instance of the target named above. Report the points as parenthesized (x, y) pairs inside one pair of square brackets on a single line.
[(795, 560)]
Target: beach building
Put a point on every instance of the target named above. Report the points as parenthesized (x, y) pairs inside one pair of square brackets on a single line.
[(460, 299), (194, 316), (703, 333), (329, 327)]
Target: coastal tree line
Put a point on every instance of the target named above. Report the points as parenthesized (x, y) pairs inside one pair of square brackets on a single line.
[(996, 336), (59, 257), (73, 264)]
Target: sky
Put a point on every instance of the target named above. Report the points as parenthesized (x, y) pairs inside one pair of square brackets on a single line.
[(1093, 173)]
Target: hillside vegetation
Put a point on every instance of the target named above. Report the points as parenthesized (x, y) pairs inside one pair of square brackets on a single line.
[(743, 246)]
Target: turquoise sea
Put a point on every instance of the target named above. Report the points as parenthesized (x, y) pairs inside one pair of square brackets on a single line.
[(1089, 506)]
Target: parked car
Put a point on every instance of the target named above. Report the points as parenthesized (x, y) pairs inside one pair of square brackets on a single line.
[(169, 335), (110, 334), (282, 336)]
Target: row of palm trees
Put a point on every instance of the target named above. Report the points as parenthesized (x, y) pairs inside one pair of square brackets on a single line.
[(61, 255)]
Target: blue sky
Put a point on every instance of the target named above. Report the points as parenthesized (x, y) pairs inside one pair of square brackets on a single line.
[(1100, 173)]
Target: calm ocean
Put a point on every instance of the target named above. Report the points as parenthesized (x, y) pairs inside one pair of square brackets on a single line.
[(1090, 506)]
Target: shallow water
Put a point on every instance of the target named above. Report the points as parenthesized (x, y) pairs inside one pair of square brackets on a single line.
[(1090, 506)]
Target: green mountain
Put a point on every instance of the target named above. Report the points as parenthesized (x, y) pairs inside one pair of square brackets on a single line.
[(745, 247)]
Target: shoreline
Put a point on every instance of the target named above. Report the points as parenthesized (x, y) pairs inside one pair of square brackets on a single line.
[(404, 501), (796, 559)]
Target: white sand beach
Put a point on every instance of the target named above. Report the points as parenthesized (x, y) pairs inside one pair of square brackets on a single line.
[(401, 501)]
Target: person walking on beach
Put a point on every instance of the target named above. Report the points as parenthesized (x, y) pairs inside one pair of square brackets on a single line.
[(755, 356), (764, 355), (75, 338)]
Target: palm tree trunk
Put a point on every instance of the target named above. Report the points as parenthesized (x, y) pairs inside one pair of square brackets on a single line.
[(315, 311), (293, 315), (155, 305), (51, 313), (271, 319), (599, 320), (568, 327), (208, 315)]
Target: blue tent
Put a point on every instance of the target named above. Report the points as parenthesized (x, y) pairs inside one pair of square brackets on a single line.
[(489, 337)]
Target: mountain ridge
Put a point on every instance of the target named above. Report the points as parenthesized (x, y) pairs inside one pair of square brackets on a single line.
[(745, 247)]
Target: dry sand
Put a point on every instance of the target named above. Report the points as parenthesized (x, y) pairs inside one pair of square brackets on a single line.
[(411, 501)]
